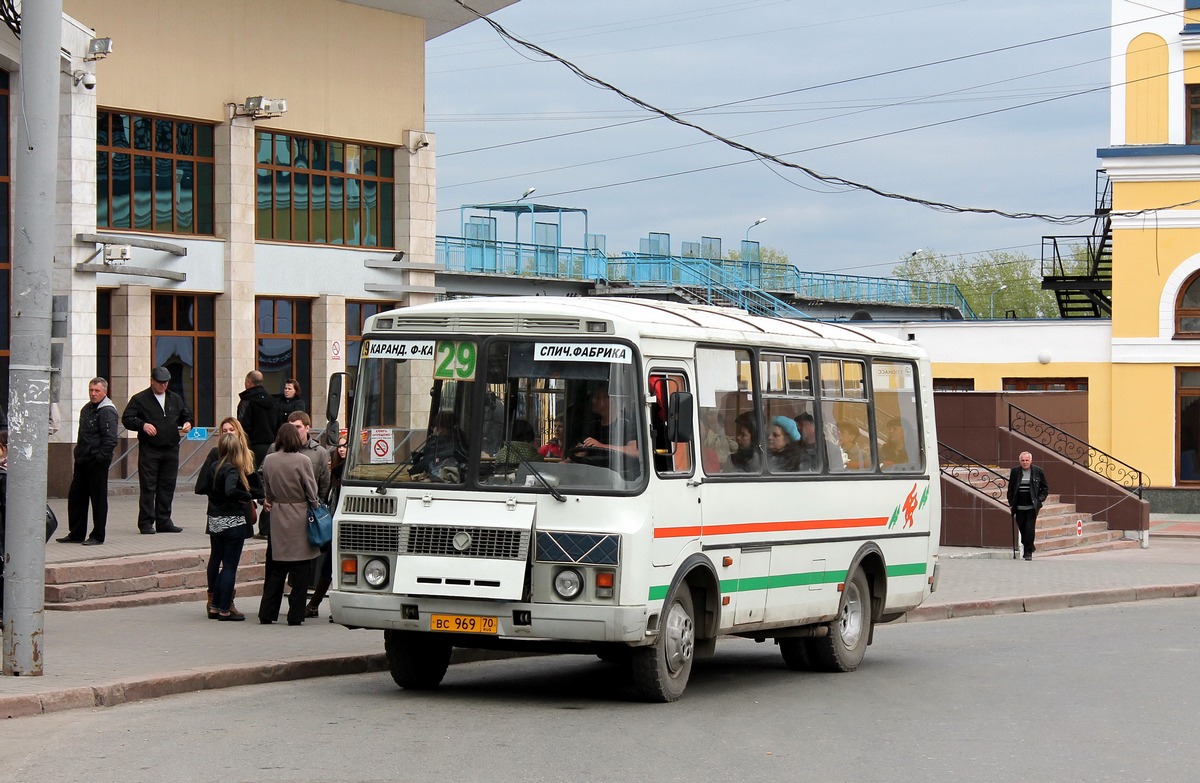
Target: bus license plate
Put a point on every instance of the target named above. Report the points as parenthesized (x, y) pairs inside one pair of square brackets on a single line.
[(462, 623)]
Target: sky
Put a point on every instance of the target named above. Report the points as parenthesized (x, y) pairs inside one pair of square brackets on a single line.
[(907, 96)]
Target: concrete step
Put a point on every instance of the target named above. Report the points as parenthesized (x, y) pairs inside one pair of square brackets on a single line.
[(1119, 543), (140, 580)]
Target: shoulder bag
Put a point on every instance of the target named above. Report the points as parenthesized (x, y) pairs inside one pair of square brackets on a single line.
[(320, 524)]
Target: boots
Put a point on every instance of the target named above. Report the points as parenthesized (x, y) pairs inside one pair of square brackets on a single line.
[(208, 607), (314, 601), (233, 610)]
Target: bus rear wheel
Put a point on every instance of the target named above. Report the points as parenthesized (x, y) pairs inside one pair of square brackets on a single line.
[(418, 661), (660, 672), (842, 650)]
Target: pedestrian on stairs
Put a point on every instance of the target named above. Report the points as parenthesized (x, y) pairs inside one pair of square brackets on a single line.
[(1027, 491)]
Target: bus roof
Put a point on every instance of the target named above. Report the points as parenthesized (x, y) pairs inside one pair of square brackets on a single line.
[(647, 318)]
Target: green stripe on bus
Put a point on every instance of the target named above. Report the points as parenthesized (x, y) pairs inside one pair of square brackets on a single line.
[(659, 592)]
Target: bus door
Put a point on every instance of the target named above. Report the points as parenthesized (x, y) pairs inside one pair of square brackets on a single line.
[(675, 499)]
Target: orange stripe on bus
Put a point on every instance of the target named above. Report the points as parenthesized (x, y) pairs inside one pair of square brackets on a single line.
[(768, 527)]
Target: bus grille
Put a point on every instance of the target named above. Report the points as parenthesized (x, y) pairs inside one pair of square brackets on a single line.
[(484, 542), (376, 505), (367, 537), (581, 548)]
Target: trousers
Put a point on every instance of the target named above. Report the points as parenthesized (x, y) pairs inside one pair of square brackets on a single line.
[(1027, 524), (158, 469), (89, 484)]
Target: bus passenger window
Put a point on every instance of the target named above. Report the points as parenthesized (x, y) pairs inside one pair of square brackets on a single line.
[(897, 416), (669, 457)]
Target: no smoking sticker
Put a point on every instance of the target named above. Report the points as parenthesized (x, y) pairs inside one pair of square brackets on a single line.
[(381, 444)]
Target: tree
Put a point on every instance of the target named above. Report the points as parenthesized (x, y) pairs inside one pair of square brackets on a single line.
[(766, 255), (980, 276)]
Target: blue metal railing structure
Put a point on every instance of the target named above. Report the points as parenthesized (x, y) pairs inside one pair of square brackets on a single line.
[(477, 256), (746, 284), (713, 281)]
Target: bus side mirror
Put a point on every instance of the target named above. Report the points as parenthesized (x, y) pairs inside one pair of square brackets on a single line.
[(333, 400), (680, 412)]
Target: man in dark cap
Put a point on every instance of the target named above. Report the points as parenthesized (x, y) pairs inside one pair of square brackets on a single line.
[(158, 416)]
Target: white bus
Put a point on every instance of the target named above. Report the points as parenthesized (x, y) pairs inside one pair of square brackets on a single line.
[(631, 479)]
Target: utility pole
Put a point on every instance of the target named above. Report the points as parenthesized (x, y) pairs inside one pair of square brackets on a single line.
[(35, 156)]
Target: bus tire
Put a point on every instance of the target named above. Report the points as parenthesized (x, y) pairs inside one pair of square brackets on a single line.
[(417, 661), (660, 672), (842, 650), (796, 653)]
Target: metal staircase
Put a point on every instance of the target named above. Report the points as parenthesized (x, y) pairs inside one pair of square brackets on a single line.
[(1078, 269)]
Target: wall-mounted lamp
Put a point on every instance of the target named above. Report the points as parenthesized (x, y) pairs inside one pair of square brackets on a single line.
[(259, 108), (98, 49)]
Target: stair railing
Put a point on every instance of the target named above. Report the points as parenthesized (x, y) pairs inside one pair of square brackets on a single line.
[(1076, 450), (977, 476), (971, 472)]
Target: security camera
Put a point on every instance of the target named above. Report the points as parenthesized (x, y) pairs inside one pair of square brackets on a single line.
[(88, 80)]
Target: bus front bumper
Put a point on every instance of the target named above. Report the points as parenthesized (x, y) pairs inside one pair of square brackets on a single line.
[(557, 621)]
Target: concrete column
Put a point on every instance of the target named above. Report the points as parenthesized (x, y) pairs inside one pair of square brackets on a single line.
[(416, 215), (75, 293), (131, 343), (329, 328), (236, 350)]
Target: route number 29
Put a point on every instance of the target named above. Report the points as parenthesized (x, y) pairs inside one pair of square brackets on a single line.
[(455, 361)]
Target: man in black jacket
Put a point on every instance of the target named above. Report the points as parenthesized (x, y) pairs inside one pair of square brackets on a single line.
[(1027, 491), (157, 416), (93, 456), (258, 413)]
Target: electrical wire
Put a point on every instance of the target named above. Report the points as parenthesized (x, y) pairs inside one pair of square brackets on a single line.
[(938, 206)]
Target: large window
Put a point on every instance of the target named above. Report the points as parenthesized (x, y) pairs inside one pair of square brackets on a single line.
[(154, 174), (324, 191), (184, 336), (285, 342), (1044, 384), (104, 298), (1187, 418)]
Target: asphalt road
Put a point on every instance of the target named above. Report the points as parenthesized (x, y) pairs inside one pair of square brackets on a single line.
[(1105, 693)]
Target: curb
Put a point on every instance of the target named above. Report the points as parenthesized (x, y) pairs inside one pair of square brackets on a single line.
[(1039, 603), (228, 676)]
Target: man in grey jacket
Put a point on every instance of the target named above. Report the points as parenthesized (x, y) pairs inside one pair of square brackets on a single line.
[(93, 456)]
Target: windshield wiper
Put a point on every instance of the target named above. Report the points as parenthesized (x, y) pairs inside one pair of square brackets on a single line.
[(553, 490), (383, 485)]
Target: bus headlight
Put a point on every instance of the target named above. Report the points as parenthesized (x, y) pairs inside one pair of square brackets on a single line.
[(375, 572), (568, 583)]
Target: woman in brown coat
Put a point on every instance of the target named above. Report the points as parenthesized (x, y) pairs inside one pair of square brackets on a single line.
[(290, 486)]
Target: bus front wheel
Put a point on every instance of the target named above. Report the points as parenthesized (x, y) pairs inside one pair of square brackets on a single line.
[(660, 672), (418, 661), (842, 650)]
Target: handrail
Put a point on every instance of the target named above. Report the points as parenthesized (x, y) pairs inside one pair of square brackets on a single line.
[(824, 286), (980, 478), (509, 259), (716, 282), (986, 479), (1077, 451)]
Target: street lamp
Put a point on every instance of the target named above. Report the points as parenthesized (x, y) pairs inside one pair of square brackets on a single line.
[(529, 192), (752, 225), (998, 290)]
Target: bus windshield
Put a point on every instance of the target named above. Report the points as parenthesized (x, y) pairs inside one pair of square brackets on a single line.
[(498, 412)]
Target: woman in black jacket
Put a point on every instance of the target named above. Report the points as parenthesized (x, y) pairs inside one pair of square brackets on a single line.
[(230, 485), (290, 401)]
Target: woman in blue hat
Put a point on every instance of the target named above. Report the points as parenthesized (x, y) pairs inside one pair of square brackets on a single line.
[(783, 449)]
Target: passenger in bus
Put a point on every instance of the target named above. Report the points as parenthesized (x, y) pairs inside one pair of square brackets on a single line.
[(520, 447), (806, 446), (850, 439), (553, 448), (715, 445), (783, 446), (609, 428), (895, 450), (746, 457), (443, 448)]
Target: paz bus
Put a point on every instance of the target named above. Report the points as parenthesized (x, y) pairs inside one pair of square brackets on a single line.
[(630, 479)]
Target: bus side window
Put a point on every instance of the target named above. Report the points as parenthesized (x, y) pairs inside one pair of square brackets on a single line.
[(669, 458)]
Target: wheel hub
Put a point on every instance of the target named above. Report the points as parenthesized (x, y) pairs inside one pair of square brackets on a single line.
[(679, 639)]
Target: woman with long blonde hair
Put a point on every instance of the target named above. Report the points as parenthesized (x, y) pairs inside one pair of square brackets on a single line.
[(229, 496)]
